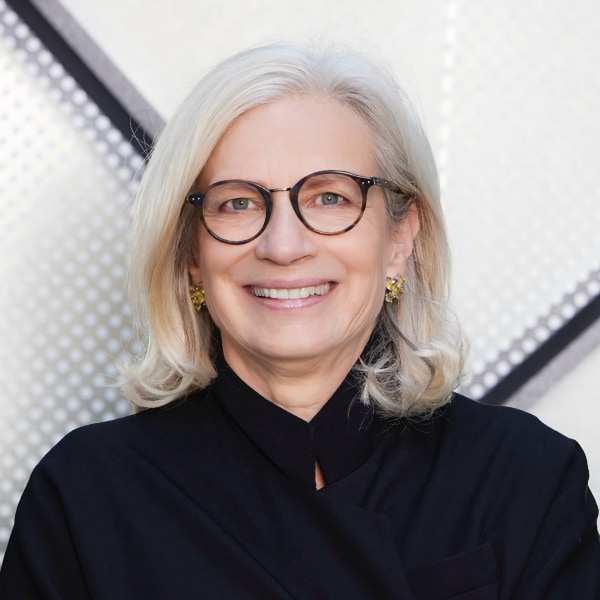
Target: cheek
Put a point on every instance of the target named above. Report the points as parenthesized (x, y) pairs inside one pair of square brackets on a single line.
[(210, 256), (221, 266), (367, 271), (371, 251)]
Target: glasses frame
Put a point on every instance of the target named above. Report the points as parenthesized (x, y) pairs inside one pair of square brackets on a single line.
[(364, 183)]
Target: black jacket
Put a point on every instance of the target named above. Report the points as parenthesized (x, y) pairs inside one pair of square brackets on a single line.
[(195, 500)]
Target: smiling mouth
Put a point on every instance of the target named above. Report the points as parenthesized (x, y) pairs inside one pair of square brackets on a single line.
[(291, 293)]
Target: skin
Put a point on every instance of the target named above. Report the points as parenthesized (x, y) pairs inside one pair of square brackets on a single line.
[(296, 352)]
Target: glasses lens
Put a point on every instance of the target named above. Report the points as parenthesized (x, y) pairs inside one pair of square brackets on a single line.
[(234, 210), (330, 202)]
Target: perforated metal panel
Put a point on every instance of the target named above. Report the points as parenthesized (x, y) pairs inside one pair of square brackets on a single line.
[(520, 142), (65, 176)]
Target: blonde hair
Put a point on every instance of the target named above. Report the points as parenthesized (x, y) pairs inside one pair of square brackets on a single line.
[(417, 358)]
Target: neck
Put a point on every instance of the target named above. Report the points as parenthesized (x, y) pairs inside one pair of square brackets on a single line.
[(300, 387)]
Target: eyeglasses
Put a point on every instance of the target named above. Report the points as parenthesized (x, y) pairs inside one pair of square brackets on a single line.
[(235, 211)]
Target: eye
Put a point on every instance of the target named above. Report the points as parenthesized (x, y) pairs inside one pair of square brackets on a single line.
[(329, 199), (238, 204)]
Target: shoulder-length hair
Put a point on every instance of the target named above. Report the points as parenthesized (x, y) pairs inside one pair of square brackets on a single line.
[(417, 358)]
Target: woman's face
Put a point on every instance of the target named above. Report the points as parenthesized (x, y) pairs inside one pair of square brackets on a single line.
[(275, 145)]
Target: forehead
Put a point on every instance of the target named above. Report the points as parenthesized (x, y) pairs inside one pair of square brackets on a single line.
[(278, 143)]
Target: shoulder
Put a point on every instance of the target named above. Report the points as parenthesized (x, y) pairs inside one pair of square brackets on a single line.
[(510, 447), (152, 433), (479, 423), (509, 467), (530, 489)]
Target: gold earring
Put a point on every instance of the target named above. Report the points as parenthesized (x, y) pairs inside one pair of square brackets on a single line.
[(394, 288), (197, 295)]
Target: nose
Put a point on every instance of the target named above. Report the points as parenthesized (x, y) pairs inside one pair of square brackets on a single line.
[(285, 240)]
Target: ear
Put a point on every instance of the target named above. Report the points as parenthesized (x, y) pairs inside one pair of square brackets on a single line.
[(194, 270), (403, 238)]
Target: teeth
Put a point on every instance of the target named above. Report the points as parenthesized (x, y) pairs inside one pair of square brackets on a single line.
[(293, 293)]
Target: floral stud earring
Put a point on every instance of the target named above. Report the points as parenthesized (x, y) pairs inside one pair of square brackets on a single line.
[(197, 296), (394, 288)]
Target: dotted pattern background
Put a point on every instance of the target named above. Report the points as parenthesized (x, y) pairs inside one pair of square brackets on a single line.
[(518, 157), (519, 141), (65, 189)]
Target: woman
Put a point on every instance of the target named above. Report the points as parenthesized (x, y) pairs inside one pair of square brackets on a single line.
[(300, 438)]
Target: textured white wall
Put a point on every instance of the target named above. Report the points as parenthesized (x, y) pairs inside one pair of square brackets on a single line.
[(164, 46)]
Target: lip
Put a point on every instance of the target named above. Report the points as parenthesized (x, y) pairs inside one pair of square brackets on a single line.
[(290, 294)]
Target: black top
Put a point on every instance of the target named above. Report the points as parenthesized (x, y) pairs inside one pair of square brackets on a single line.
[(214, 497), (341, 437)]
